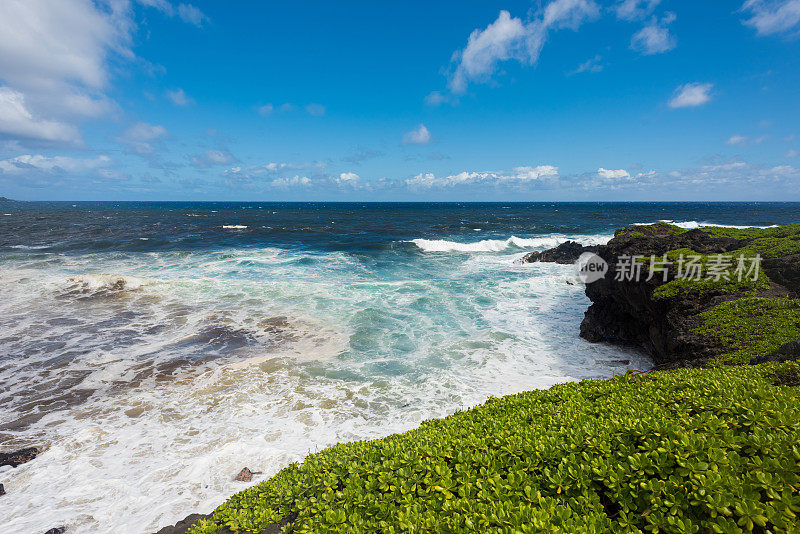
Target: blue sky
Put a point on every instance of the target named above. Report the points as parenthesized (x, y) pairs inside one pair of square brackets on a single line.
[(550, 100)]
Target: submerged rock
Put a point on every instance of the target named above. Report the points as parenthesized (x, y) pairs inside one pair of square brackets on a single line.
[(565, 253), (18, 457)]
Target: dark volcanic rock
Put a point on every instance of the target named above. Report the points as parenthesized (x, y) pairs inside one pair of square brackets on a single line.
[(785, 271), (18, 457), (183, 525), (2, 490), (625, 311), (57, 530), (565, 253), (788, 351)]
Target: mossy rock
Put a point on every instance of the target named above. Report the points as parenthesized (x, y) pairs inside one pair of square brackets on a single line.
[(751, 328)]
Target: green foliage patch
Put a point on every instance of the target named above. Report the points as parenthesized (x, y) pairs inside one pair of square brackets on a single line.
[(769, 242), (751, 327), (714, 450), (730, 283)]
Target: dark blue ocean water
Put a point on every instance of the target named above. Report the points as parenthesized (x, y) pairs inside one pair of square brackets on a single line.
[(105, 226), (154, 349)]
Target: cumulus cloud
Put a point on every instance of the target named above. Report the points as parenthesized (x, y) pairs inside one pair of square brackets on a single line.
[(791, 153), (179, 97), (347, 178), (691, 95), (655, 37), (509, 38), (240, 174), (55, 55), (140, 137), (418, 136), (57, 164), (288, 183), (770, 17), (18, 122), (613, 173), (519, 175), (635, 9)]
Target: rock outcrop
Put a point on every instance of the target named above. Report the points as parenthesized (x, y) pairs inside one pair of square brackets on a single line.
[(565, 253), (18, 457), (667, 323)]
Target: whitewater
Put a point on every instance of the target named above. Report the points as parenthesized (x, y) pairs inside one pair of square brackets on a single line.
[(150, 370)]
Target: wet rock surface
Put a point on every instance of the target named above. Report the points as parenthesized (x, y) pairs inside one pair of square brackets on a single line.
[(18, 457), (565, 253)]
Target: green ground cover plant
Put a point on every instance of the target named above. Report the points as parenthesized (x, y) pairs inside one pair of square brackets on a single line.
[(751, 327), (683, 451)]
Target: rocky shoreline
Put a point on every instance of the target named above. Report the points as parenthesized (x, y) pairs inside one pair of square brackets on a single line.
[(664, 315), (681, 324)]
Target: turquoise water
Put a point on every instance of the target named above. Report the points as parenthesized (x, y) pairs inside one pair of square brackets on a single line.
[(153, 350)]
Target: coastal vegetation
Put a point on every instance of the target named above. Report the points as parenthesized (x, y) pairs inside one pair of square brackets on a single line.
[(713, 449)]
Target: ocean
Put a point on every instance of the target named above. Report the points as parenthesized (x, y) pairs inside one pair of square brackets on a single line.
[(153, 350)]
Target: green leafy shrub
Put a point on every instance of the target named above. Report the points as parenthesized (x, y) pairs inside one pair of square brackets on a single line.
[(751, 327), (714, 450)]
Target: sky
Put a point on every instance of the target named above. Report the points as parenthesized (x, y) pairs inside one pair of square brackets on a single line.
[(555, 100)]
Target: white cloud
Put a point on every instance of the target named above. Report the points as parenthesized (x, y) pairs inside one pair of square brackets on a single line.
[(212, 157), (791, 153), (691, 95), (736, 140), (655, 37), (635, 9), (140, 137), (191, 15), (613, 173), (265, 110), (316, 110), (55, 54), (528, 174), (179, 97), (519, 175), (770, 17), (17, 121), (253, 172), (287, 183), (27, 163), (435, 98), (510, 38), (418, 136), (347, 178), (590, 65)]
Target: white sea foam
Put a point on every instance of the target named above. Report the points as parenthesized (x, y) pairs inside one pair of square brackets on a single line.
[(499, 245), (93, 283), (691, 225), (202, 363), (234, 226)]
